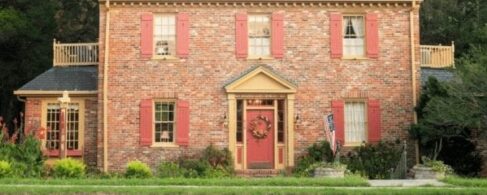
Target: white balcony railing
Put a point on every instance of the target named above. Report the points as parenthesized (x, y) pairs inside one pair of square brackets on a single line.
[(66, 54), (438, 56)]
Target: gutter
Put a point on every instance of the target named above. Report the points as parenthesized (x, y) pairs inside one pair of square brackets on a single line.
[(414, 7), (105, 87)]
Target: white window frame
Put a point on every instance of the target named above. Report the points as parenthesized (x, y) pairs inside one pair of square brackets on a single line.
[(155, 122), (346, 121), (156, 36), (361, 35), (256, 55)]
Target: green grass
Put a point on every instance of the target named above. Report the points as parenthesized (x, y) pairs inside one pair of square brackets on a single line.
[(231, 190), (466, 182), (278, 181)]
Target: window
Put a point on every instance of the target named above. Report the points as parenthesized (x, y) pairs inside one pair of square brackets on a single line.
[(53, 126), (164, 122), (165, 35), (355, 122), (259, 35), (239, 121), (353, 36), (280, 121)]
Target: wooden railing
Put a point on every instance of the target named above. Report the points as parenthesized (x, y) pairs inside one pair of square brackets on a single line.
[(438, 56), (66, 54)]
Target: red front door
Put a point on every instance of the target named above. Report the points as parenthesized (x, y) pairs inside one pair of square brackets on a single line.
[(260, 139)]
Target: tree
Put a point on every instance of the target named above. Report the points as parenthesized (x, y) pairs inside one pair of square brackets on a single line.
[(455, 113), (462, 21)]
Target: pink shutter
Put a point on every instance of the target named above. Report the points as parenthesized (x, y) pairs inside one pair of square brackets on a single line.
[(182, 35), (337, 108), (182, 123), (146, 122), (241, 35), (146, 31), (374, 120), (336, 39), (277, 35), (372, 33)]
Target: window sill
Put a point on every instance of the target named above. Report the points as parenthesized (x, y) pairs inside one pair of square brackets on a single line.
[(165, 58), (260, 58), (352, 145), (355, 58), (164, 145)]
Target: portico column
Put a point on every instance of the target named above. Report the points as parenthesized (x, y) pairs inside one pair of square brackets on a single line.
[(290, 130), (64, 103), (232, 122)]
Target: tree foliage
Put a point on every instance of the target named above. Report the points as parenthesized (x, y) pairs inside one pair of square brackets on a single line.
[(27, 29), (462, 21)]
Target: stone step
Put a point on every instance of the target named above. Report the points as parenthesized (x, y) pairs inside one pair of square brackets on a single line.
[(258, 173)]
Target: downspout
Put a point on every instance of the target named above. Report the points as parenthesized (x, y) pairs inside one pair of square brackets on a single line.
[(413, 70), (105, 87)]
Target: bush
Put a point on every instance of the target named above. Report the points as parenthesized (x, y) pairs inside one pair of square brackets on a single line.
[(68, 168), (218, 158), (217, 173), (318, 152), (5, 169), (437, 166), (194, 167), (137, 169), (25, 157), (170, 169), (374, 161)]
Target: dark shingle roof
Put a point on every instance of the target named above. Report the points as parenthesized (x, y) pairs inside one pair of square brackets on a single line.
[(69, 78), (440, 74)]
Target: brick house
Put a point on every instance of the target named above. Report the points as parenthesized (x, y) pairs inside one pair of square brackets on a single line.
[(257, 77)]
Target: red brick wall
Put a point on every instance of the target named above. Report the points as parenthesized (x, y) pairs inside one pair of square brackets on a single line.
[(212, 63), (32, 115)]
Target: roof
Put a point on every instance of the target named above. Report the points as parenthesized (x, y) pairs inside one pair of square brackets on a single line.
[(440, 74), (59, 78)]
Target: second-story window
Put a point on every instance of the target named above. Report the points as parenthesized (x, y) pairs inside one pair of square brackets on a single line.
[(353, 36), (165, 35), (259, 35)]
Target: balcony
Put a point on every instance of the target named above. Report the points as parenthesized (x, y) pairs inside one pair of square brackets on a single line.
[(75, 54), (438, 56)]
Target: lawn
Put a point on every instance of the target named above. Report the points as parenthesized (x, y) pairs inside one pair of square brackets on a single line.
[(466, 182), (352, 181)]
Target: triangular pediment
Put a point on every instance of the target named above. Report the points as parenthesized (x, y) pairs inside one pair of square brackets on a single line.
[(261, 80)]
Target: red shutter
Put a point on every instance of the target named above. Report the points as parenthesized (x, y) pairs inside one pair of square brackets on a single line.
[(336, 39), (182, 123), (277, 35), (372, 33), (146, 122), (374, 120), (337, 107), (146, 30), (241, 35), (182, 35)]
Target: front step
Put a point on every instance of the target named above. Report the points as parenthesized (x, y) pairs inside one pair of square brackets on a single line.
[(258, 173)]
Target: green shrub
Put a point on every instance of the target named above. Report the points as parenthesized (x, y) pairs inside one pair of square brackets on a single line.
[(137, 169), (170, 169), (437, 166), (194, 167), (25, 157), (217, 173), (374, 161), (5, 169), (318, 152), (68, 168), (218, 158)]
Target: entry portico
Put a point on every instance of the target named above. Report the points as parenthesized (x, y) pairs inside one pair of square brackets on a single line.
[(261, 120)]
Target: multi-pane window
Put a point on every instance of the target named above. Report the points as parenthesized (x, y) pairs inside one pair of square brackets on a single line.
[(353, 36), (54, 129), (164, 122), (165, 35), (280, 121), (355, 122), (239, 121), (259, 35)]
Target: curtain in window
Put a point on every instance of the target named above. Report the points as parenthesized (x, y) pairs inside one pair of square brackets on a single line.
[(355, 122), (354, 36)]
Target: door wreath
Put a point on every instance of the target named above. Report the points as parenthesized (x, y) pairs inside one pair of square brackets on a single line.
[(256, 124)]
